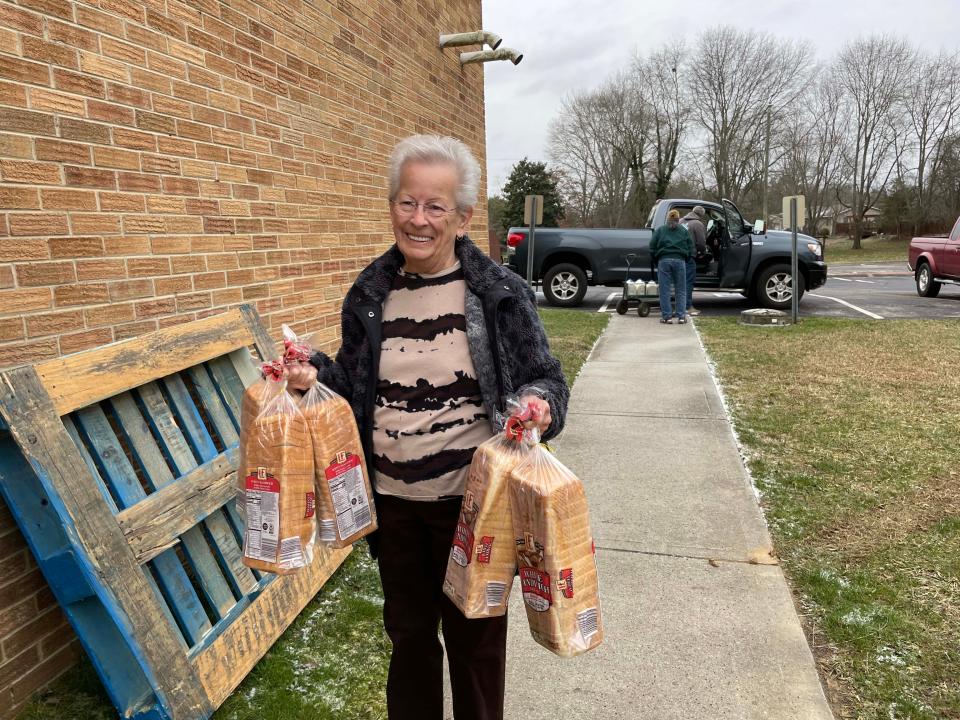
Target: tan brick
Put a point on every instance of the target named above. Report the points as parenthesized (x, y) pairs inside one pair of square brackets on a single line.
[(11, 330), (103, 67), (20, 300), (155, 122), (78, 83), (26, 121), (148, 267), (199, 169), (75, 247), (45, 273), (134, 139), (144, 224), (15, 198), (68, 199), (71, 35), (126, 95), (54, 323), (10, 356), (112, 314), (60, 151), (6, 277), (182, 225), (165, 205), (93, 223), (188, 264), (100, 269), (100, 21), (176, 146), (146, 38), (123, 51), (180, 186), (56, 102), (12, 93), (109, 112), (209, 281), (116, 158), (89, 177), (156, 308), (80, 294), (62, 9), (159, 164), (24, 71), (135, 329), (138, 182), (27, 224), (126, 245), (16, 146), (75, 342), (18, 19), (172, 285), (47, 52), (147, 80), (130, 289), (228, 296), (122, 202), (84, 131)]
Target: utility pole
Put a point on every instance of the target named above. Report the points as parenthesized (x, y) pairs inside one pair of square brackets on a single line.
[(766, 169)]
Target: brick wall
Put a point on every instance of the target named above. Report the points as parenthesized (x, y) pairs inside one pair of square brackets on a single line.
[(161, 161)]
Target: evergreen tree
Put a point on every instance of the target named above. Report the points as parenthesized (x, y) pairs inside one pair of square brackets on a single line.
[(531, 178)]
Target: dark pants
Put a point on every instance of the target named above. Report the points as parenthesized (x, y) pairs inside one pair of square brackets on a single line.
[(691, 279), (413, 547)]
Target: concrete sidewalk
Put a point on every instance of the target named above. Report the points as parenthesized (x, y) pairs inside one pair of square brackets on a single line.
[(685, 638)]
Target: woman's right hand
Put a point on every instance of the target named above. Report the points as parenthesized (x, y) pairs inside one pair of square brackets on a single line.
[(301, 376)]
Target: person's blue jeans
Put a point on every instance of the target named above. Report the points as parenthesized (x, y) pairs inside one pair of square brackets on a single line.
[(691, 280), (672, 273)]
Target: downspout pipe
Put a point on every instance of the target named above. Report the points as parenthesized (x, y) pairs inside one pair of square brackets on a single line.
[(479, 37), (483, 56)]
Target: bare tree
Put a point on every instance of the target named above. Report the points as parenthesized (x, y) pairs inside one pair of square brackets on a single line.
[(872, 74), (932, 106), (737, 74), (811, 150)]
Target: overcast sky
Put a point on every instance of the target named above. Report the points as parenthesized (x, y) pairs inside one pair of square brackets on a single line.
[(571, 45)]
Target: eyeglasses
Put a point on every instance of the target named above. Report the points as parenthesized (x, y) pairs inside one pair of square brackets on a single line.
[(431, 210)]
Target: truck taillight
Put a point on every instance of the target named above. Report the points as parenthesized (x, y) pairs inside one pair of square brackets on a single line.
[(514, 239)]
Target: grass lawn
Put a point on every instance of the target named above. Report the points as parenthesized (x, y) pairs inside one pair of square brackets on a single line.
[(850, 429), (331, 663), (839, 251)]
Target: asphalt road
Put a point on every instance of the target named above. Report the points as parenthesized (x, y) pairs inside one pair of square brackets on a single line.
[(877, 291)]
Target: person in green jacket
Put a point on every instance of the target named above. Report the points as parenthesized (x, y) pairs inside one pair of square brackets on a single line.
[(670, 247)]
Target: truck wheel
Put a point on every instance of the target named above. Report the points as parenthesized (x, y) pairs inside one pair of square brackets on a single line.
[(774, 287), (564, 285), (926, 285)]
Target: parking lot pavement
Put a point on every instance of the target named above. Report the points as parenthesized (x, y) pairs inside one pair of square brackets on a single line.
[(869, 291)]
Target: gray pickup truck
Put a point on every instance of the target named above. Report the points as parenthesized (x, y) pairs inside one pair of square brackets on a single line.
[(741, 258)]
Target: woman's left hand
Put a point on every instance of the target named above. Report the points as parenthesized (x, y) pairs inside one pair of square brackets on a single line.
[(537, 414)]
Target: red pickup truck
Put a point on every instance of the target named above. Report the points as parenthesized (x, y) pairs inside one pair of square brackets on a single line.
[(935, 261)]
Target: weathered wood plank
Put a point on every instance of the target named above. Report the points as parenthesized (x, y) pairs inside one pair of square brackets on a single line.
[(231, 554), (122, 479), (161, 529), (90, 524), (229, 383), (261, 338), (154, 524), (228, 658), (190, 421), (75, 381), (214, 405)]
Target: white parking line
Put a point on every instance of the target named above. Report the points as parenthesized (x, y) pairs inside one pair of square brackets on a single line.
[(834, 277), (868, 282), (849, 305), (603, 308)]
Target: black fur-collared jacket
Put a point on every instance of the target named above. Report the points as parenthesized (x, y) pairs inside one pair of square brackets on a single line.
[(507, 341)]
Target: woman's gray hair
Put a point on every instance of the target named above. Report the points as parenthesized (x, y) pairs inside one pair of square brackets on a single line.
[(437, 149)]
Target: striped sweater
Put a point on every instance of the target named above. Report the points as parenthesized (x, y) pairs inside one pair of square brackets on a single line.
[(429, 415)]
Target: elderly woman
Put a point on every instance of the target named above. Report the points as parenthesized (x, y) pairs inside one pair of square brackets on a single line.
[(435, 336)]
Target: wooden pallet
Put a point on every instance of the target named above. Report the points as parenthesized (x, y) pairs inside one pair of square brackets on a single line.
[(119, 465)]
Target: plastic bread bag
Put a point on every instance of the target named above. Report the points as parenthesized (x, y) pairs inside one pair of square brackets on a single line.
[(344, 495), (276, 478), (555, 554), (345, 510), (482, 563)]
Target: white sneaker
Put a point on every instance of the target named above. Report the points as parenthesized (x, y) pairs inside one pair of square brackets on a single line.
[(692, 311)]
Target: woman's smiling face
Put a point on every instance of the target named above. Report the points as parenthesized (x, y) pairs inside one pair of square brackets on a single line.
[(427, 243)]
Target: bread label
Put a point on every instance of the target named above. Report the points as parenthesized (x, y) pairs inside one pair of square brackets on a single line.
[(484, 549), (535, 585), (263, 516), (310, 504), (349, 494), (461, 550), (565, 582)]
